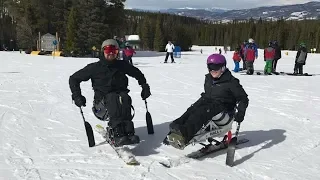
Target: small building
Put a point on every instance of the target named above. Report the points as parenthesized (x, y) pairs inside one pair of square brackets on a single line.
[(134, 41), (47, 42)]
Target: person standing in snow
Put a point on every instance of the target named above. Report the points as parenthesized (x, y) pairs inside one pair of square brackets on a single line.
[(250, 55), (110, 84), (122, 46), (243, 45), (269, 54), (222, 93), (118, 41), (301, 58), (277, 56), (169, 48), (128, 53), (236, 59)]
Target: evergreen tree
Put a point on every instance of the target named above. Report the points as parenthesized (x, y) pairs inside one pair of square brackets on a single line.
[(146, 34), (97, 20), (71, 32), (96, 26), (57, 19), (159, 43)]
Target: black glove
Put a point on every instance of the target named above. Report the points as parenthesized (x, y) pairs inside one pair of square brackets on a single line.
[(239, 117), (145, 93), (79, 100)]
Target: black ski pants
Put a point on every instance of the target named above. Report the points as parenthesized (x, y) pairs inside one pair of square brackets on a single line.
[(274, 65), (114, 108), (128, 59), (167, 55), (298, 68), (244, 65), (194, 118)]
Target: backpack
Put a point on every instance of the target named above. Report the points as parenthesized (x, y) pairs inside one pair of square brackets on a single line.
[(250, 53), (269, 55)]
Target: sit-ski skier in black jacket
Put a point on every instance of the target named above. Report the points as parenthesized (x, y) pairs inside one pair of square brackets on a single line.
[(111, 100), (222, 93)]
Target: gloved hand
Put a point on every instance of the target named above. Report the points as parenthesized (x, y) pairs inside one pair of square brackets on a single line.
[(239, 117), (145, 93), (79, 100)]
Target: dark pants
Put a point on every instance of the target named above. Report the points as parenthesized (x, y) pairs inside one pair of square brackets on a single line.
[(274, 65), (298, 68), (244, 67), (194, 118), (116, 109), (250, 67), (171, 55), (128, 59)]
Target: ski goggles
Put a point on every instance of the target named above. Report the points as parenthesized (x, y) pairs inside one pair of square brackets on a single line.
[(214, 67), (110, 49)]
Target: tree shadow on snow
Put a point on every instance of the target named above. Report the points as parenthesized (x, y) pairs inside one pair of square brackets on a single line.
[(149, 54), (150, 142), (266, 139), (141, 65), (282, 72), (13, 72)]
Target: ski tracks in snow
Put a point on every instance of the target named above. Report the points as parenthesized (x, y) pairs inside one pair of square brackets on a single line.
[(42, 135), (293, 109), (18, 160)]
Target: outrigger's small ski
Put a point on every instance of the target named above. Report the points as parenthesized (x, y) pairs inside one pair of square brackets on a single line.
[(123, 152), (206, 150), (232, 147)]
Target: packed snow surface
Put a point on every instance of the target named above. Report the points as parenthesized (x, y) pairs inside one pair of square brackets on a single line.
[(42, 134)]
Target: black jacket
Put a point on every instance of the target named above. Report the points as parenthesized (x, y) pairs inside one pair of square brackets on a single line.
[(226, 91), (277, 55), (105, 77)]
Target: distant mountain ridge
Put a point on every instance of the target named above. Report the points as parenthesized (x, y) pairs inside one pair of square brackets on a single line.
[(310, 10)]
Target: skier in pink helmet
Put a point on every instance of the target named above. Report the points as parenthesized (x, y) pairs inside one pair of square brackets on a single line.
[(223, 97)]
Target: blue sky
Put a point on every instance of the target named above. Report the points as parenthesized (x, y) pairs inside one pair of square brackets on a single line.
[(228, 4)]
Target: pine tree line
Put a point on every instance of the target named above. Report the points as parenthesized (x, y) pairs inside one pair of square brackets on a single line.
[(82, 24)]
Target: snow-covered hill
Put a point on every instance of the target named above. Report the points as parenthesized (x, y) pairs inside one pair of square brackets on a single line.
[(42, 134), (310, 10)]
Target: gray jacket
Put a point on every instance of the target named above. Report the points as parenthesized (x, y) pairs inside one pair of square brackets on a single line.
[(302, 55)]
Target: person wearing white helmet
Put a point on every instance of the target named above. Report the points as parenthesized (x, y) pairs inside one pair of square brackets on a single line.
[(250, 55), (110, 85)]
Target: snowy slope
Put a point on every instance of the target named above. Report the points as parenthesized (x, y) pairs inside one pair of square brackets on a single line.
[(42, 134)]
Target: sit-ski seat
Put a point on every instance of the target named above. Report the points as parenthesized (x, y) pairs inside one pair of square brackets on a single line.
[(218, 126)]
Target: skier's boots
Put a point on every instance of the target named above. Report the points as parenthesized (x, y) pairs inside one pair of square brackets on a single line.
[(175, 138), (123, 134), (129, 131)]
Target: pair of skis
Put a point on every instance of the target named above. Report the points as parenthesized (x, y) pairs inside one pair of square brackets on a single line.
[(129, 158), (126, 155), (123, 152), (210, 149)]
